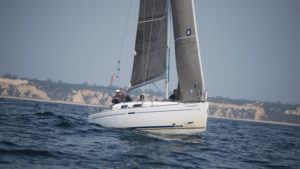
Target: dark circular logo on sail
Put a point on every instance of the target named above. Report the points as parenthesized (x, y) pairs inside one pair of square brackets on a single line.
[(188, 32)]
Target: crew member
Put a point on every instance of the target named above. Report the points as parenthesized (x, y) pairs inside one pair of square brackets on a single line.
[(125, 97), (117, 98), (173, 96), (141, 98)]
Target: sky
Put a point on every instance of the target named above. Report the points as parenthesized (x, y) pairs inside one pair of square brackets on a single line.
[(250, 49)]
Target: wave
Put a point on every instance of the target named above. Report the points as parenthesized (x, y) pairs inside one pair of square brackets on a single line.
[(46, 113), (61, 117), (49, 114), (7, 143), (64, 125), (181, 138), (26, 152)]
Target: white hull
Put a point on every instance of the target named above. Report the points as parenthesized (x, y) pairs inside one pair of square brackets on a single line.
[(156, 117)]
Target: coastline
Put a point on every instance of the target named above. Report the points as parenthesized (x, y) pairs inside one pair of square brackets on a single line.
[(90, 105), (50, 101), (256, 121)]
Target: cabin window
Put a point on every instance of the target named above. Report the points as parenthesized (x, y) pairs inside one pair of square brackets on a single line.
[(124, 106), (137, 105)]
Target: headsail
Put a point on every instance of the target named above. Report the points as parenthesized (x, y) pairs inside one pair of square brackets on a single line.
[(187, 51), (150, 45)]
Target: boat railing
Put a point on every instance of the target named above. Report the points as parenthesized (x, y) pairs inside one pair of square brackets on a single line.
[(127, 105), (97, 108)]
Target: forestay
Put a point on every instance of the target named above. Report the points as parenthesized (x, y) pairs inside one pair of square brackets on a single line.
[(187, 51), (150, 45)]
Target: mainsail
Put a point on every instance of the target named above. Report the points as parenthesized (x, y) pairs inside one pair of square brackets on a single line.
[(151, 43), (190, 76)]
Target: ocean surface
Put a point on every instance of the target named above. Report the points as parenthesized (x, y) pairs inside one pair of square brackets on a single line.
[(50, 135)]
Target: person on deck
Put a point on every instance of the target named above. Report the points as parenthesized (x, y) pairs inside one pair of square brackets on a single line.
[(173, 96), (117, 98), (125, 97), (141, 98)]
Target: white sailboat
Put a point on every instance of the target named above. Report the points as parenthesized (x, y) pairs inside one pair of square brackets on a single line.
[(187, 115)]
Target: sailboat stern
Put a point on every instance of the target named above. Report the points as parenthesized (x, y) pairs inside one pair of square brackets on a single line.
[(193, 124)]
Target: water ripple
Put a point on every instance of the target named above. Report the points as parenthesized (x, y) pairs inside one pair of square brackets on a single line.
[(50, 135)]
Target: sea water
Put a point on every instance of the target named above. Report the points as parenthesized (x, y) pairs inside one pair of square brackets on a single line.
[(51, 135)]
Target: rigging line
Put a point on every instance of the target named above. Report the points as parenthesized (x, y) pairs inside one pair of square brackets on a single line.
[(117, 69), (143, 58), (157, 88), (149, 41), (170, 24), (124, 34)]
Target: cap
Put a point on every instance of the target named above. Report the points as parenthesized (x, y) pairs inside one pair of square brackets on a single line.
[(117, 91)]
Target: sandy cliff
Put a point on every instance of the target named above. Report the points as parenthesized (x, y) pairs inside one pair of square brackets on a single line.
[(20, 88), (67, 92), (255, 112)]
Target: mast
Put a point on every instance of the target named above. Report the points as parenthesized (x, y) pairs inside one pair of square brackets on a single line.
[(168, 51), (203, 95)]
